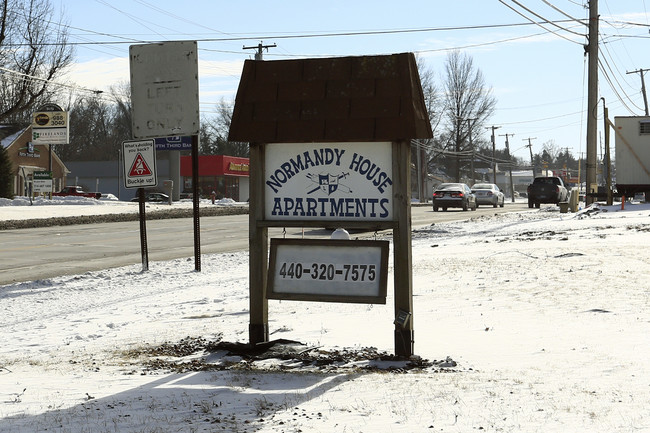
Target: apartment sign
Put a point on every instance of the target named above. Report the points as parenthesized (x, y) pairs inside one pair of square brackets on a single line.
[(328, 270), (329, 181)]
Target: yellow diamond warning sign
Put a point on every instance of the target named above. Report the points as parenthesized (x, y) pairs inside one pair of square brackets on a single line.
[(139, 163)]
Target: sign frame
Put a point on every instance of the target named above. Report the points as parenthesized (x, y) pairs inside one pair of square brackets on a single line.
[(351, 181), (50, 127), (42, 181), (164, 89), (325, 270), (145, 149)]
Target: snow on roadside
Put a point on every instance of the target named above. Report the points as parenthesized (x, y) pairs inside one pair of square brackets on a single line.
[(20, 208)]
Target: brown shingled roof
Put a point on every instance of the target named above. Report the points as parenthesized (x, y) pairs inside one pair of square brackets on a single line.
[(368, 98)]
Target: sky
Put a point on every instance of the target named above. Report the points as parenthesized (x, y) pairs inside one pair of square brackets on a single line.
[(538, 75), (520, 318)]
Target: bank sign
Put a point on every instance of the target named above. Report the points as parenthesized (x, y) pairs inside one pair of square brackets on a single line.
[(329, 181), (50, 127)]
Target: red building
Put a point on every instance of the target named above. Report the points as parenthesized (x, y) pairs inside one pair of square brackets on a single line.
[(226, 175)]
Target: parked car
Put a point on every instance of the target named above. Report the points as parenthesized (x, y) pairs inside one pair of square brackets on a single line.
[(76, 191), (448, 195), (154, 197), (488, 193)]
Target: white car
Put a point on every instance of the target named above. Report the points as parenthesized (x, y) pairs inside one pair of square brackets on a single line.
[(488, 193)]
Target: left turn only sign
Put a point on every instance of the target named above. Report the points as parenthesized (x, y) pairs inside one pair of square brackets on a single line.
[(139, 158)]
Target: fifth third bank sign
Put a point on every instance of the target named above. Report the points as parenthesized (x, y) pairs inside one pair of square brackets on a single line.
[(329, 181)]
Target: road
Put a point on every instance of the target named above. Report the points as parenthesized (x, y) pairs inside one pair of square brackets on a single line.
[(39, 253)]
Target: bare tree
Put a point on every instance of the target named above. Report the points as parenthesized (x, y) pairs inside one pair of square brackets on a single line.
[(551, 151), (468, 104), (91, 126), (432, 95), (422, 152), (33, 51), (98, 125), (218, 128), (123, 112), (6, 174)]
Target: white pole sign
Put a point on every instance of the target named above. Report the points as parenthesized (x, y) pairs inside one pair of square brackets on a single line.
[(42, 181), (165, 89), (328, 270), (139, 164), (50, 127), (329, 181)]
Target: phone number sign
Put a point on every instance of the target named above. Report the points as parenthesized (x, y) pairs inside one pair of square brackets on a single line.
[(328, 270)]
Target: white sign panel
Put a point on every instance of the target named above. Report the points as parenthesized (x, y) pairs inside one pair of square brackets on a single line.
[(329, 181), (50, 127), (165, 89), (139, 164), (42, 185), (328, 270)]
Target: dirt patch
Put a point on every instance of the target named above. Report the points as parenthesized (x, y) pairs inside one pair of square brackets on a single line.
[(198, 354)]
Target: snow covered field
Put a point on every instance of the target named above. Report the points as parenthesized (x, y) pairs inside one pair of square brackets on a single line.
[(541, 320)]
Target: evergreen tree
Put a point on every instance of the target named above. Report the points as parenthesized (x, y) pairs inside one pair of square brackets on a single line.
[(6, 178)]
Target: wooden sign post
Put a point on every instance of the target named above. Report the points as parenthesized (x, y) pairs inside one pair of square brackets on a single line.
[(330, 143)]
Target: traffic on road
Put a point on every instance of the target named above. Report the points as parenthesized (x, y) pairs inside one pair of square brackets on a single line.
[(38, 253)]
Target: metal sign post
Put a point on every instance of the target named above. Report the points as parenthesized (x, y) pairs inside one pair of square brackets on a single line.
[(165, 95), (143, 230), (195, 203), (139, 158)]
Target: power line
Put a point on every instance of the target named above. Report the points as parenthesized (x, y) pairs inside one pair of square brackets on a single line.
[(135, 19), (563, 13), (539, 24), (550, 22), (645, 98), (301, 36), (25, 77)]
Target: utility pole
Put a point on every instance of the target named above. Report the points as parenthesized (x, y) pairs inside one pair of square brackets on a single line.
[(259, 55), (512, 188), (421, 169), (608, 158), (471, 145), (530, 148), (494, 147), (645, 98), (592, 104)]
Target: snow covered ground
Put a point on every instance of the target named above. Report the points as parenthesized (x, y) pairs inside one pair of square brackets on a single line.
[(540, 318), (21, 208)]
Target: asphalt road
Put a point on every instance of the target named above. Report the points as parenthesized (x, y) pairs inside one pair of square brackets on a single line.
[(39, 253)]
